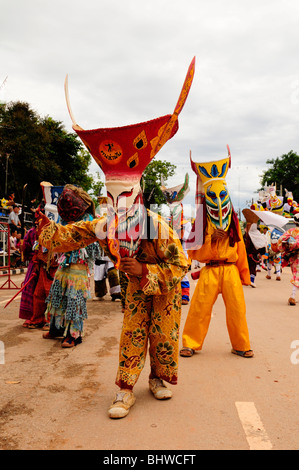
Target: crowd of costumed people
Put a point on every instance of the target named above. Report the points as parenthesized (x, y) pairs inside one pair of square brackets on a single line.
[(143, 259)]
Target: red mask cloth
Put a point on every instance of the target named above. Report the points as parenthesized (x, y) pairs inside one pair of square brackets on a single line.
[(70, 206)]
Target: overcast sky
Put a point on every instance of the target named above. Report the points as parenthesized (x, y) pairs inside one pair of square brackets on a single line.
[(127, 62)]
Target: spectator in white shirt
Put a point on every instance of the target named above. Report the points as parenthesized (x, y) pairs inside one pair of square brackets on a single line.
[(13, 218)]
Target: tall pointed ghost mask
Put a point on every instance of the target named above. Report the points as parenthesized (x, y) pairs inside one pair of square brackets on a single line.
[(212, 189), (123, 153)]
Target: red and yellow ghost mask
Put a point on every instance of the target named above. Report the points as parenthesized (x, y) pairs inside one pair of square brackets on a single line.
[(123, 153)]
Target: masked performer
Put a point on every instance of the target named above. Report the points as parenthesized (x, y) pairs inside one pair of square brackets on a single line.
[(44, 267), (280, 205), (255, 243), (174, 197), (288, 246), (66, 309), (226, 267), (141, 244), (272, 255), (26, 303)]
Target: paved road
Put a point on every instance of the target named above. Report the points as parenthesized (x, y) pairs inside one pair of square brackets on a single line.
[(52, 398)]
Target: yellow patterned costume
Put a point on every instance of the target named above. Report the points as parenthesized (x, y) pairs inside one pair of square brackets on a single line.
[(153, 301), (152, 309), (226, 279), (226, 267)]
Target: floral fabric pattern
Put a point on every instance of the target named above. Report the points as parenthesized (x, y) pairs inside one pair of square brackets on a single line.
[(153, 301)]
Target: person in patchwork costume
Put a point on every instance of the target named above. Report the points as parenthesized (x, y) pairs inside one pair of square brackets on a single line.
[(226, 267), (255, 243), (70, 289), (174, 197), (141, 244), (272, 256)]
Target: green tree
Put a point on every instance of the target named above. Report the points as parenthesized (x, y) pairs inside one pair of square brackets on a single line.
[(34, 149), (284, 172), (96, 188), (151, 181)]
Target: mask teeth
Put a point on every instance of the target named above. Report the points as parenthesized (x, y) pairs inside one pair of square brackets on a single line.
[(128, 248), (128, 245), (130, 222), (214, 214)]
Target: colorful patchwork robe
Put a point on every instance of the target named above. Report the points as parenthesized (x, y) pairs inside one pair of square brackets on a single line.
[(153, 300)]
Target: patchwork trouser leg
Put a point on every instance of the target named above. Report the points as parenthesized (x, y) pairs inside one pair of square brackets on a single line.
[(100, 288), (213, 281), (153, 321), (41, 292)]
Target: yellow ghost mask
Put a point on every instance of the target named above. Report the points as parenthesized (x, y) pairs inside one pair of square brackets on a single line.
[(212, 186)]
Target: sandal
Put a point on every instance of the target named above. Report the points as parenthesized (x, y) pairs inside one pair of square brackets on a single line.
[(186, 352), (48, 335), (34, 326), (68, 342), (246, 354)]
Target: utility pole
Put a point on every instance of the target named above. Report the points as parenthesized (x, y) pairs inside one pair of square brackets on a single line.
[(7, 156), (6, 172)]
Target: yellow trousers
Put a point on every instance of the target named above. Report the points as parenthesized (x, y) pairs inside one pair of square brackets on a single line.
[(151, 323), (213, 281)]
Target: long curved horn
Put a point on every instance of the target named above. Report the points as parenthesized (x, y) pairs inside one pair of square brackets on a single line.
[(166, 134), (230, 157), (186, 88), (193, 166), (66, 91)]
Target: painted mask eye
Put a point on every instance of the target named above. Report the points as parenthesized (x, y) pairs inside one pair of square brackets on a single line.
[(140, 142), (133, 161), (212, 195), (223, 195)]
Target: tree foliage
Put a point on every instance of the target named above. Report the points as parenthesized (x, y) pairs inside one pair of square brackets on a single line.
[(35, 149), (96, 188), (151, 180), (284, 172)]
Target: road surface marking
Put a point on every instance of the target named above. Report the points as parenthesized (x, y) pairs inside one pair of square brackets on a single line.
[(256, 435)]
